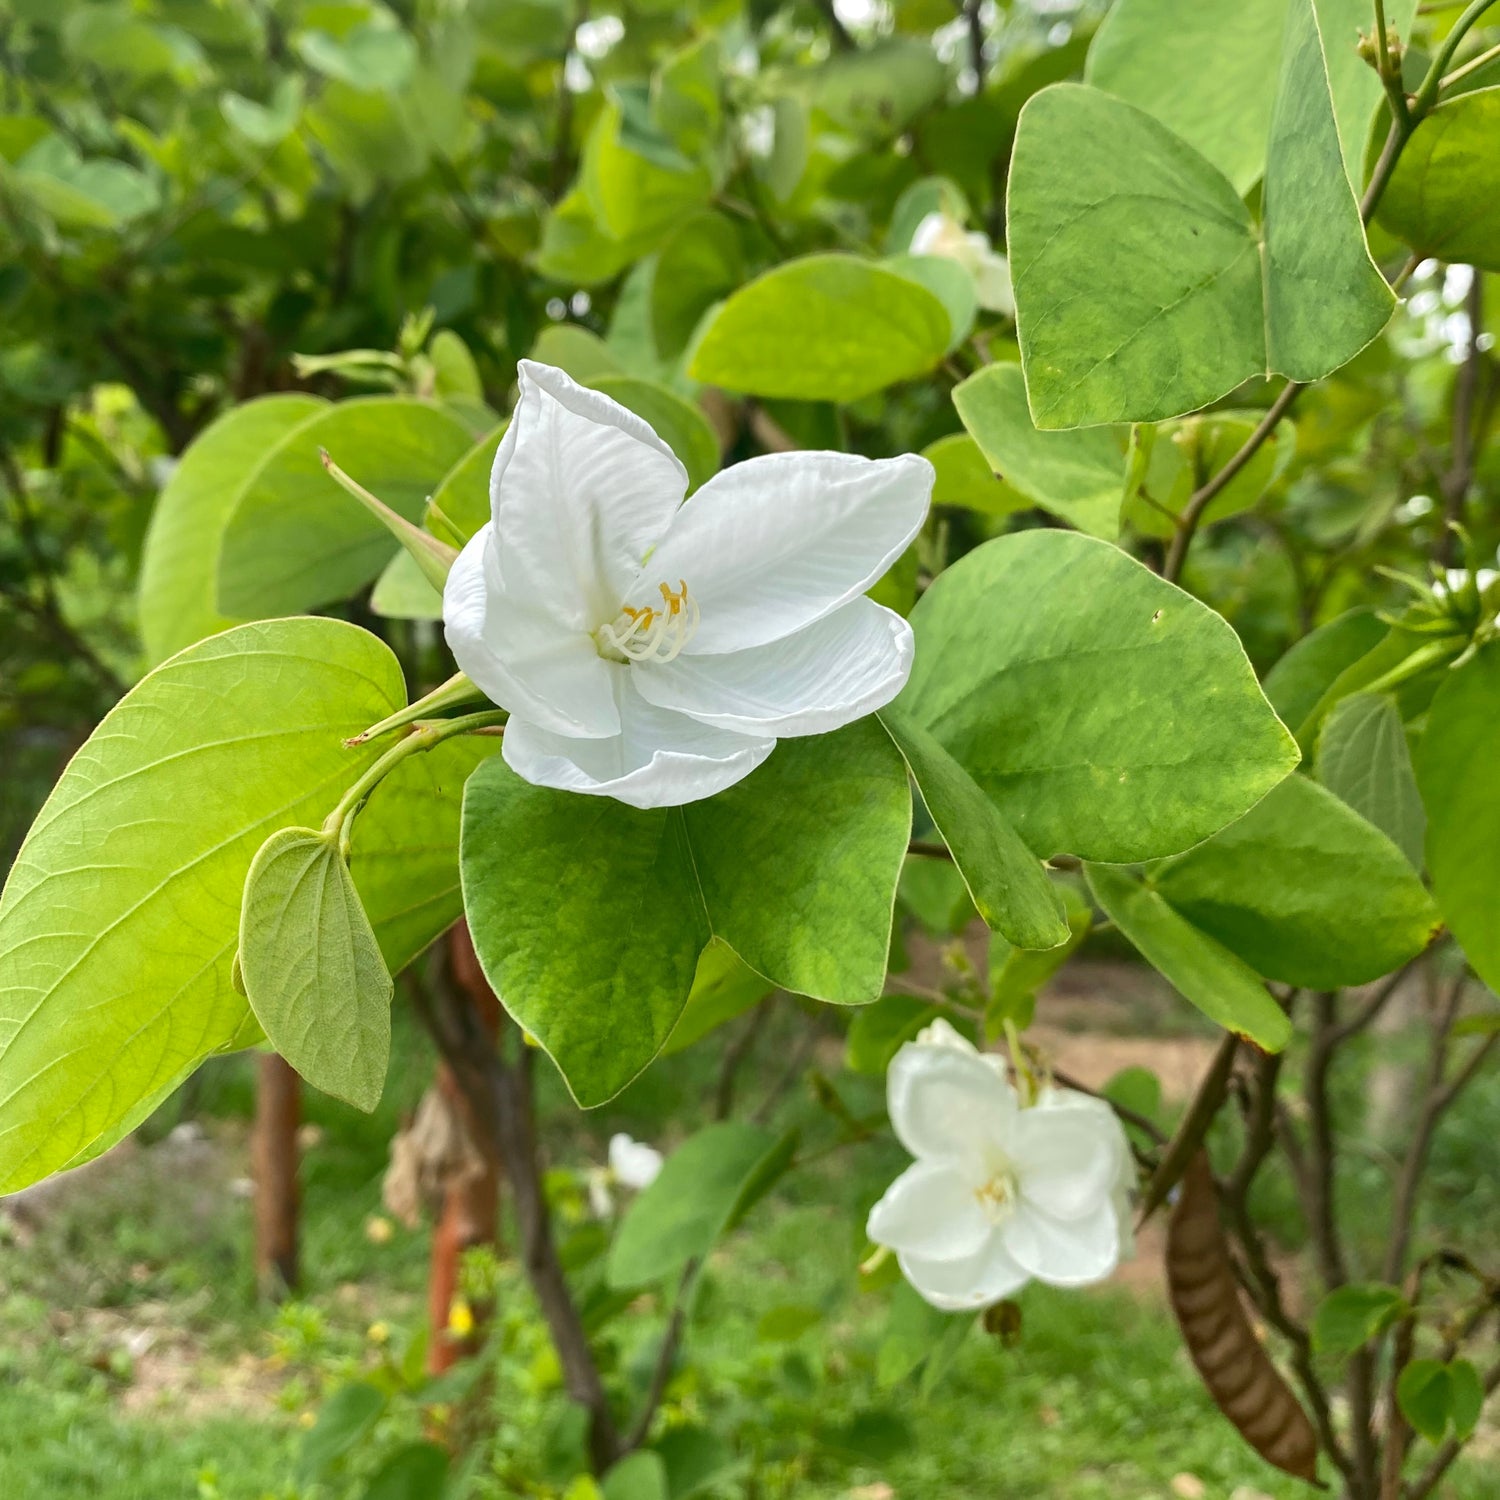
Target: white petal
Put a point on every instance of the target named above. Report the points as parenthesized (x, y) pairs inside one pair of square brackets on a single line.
[(1063, 1252), (1066, 1159), (941, 1033), (825, 676), (948, 1105), (770, 545), (635, 1164), (992, 285), (930, 1210), (520, 657), (659, 759), (965, 1285), (581, 490)]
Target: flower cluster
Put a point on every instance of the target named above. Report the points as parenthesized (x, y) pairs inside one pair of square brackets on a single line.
[(654, 651), (1000, 1193)]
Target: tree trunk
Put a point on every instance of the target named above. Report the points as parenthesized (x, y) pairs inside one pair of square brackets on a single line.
[(273, 1158)]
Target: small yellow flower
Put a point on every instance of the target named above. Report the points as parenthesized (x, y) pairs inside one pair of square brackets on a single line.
[(306, 1419), (379, 1230), (460, 1319), (378, 1333)]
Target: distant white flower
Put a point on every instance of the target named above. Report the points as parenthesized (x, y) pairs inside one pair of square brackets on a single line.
[(634, 1164), (999, 1194), (654, 651), (941, 234)]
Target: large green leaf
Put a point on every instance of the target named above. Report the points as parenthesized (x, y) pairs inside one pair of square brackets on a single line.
[(798, 863), (1455, 770), (294, 540), (1009, 887), (1127, 315), (703, 1188), (1444, 197), (1364, 760), (178, 590), (1299, 680), (119, 922), (638, 187), (1106, 712), (962, 475), (1304, 890), (312, 969), (824, 328), (1203, 971), (1078, 475), (587, 919), (589, 916)]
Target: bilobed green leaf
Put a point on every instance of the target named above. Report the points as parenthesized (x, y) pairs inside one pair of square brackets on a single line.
[(1364, 760), (1444, 197), (1010, 889), (1455, 770), (724, 987), (463, 496), (1131, 316), (1304, 890), (1106, 712), (294, 541), (1466, 1395), (119, 921), (1224, 988), (1078, 475), (312, 967), (678, 423), (587, 919), (964, 477), (1296, 683), (823, 328), (178, 591), (1349, 1317), (1425, 1396), (701, 1192), (798, 863)]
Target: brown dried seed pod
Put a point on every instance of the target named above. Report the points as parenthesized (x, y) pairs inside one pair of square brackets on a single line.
[(1238, 1372)]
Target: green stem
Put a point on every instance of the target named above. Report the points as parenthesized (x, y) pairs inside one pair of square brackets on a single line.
[(1426, 95), (421, 739)]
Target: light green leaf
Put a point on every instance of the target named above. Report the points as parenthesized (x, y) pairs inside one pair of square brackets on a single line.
[(1204, 972), (293, 541), (1297, 682), (680, 424), (403, 593), (1349, 1317), (1182, 305), (702, 262), (457, 373), (1425, 1396), (587, 919), (823, 328), (1078, 475), (1444, 197), (640, 1476), (1455, 770), (1017, 975), (1009, 887), (265, 124), (705, 1186), (798, 863), (576, 251), (178, 594), (1106, 712), (875, 92), (1364, 760), (119, 922), (463, 497), (1304, 890), (949, 282), (378, 57), (312, 968), (348, 1416), (723, 987), (636, 196), (964, 477)]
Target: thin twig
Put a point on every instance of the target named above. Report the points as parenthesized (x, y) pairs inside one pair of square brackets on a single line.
[(1190, 1132), (666, 1357), (1460, 474)]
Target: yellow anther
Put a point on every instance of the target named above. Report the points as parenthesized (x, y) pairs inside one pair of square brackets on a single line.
[(645, 633)]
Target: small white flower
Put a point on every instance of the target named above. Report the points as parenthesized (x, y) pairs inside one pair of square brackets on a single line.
[(941, 234), (999, 1194), (654, 651), (633, 1163)]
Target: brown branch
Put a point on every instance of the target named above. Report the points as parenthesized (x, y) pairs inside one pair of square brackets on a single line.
[(666, 1357), (1190, 1132), (1123, 1111)]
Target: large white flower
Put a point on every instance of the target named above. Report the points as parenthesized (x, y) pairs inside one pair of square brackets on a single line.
[(940, 233), (652, 650), (999, 1194)]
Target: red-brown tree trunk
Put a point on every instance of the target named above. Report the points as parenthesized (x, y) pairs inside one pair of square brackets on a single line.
[(273, 1165)]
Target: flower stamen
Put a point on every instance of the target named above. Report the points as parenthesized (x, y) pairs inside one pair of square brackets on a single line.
[(651, 634)]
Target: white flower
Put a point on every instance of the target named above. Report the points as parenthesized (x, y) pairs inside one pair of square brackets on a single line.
[(633, 1163), (941, 234), (654, 651), (999, 1194)]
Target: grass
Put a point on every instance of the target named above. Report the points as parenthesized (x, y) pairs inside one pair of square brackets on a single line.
[(136, 1363)]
